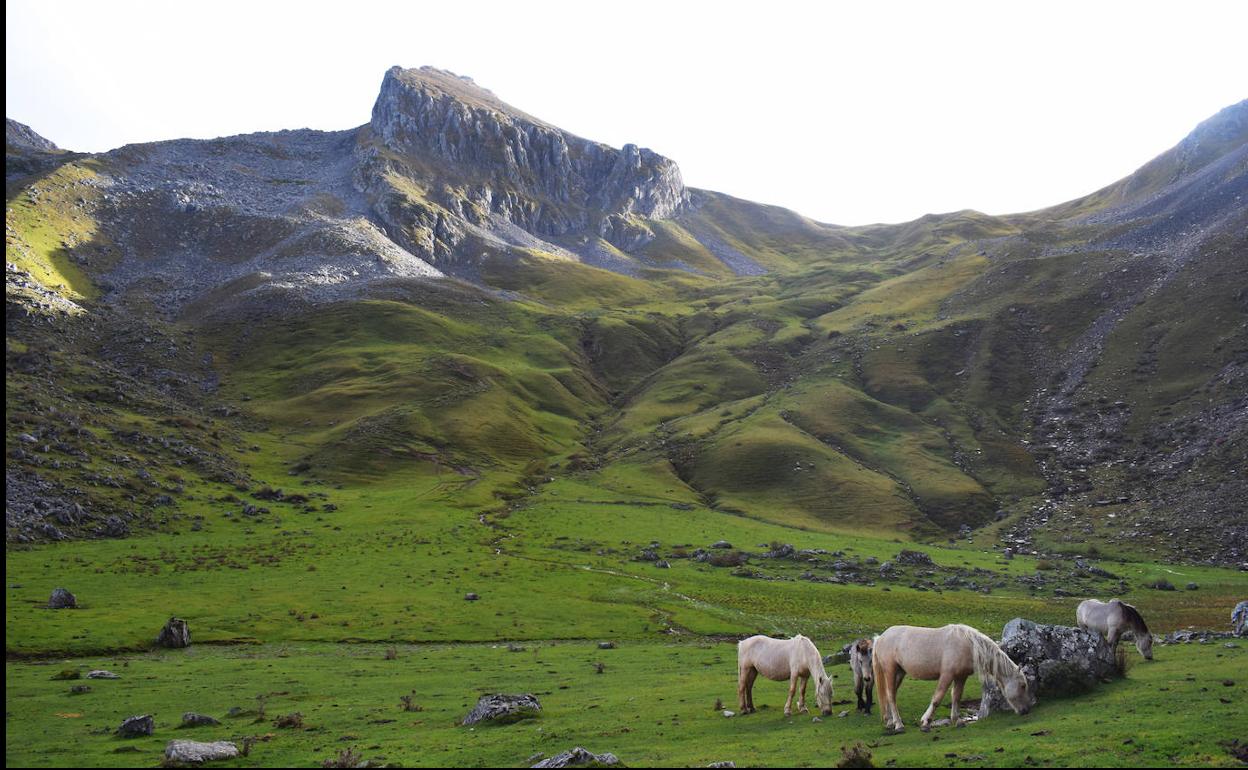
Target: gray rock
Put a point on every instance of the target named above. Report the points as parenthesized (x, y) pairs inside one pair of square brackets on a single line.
[(503, 709), (725, 763), (1058, 661), (100, 673), (1239, 618), (137, 727), (606, 645), (176, 634), (195, 753), (721, 544), (917, 558), (62, 599), (581, 757), (193, 719), (471, 597)]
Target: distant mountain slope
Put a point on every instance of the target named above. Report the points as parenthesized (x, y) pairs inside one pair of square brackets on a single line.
[(459, 285)]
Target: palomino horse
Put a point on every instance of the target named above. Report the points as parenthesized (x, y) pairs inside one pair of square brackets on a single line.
[(948, 654), (864, 675), (779, 659), (1110, 619)]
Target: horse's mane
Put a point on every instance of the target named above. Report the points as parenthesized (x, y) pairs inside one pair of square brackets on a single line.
[(989, 659), (1134, 618)]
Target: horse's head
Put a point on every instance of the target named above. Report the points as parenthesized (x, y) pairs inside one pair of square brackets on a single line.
[(823, 695), (1018, 693), (863, 646), (1144, 643)]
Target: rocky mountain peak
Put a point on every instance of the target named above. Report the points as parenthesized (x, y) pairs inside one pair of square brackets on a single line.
[(465, 135), (23, 136)]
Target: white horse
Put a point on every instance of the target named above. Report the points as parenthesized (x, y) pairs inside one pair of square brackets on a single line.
[(794, 659), (864, 673), (1110, 619), (948, 654)]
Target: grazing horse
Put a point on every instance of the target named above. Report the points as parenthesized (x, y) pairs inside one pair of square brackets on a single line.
[(948, 654), (1110, 619), (793, 659), (864, 675)]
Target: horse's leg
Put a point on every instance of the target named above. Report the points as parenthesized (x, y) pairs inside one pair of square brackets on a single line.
[(868, 688), (1112, 638), (958, 684), (788, 704), (746, 690), (925, 723), (801, 700), (858, 688)]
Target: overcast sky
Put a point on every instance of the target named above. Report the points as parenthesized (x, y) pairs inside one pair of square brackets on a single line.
[(848, 113)]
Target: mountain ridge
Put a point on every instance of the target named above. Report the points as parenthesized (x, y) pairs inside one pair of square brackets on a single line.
[(958, 371)]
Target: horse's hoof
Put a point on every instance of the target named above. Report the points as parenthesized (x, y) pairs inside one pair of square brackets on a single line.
[(925, 728)]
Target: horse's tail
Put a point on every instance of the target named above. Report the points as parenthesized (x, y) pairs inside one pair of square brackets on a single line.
[(1134, 619), (990, 660)]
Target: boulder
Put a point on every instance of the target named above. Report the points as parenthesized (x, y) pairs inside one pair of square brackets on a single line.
[(194, 752), (1057, 660), (137, 727), (721, 544), (1239, 618), (581, 757), (193, 719), (62, 599), (100, 673), (175, 634), (917, 558), (502, 709)]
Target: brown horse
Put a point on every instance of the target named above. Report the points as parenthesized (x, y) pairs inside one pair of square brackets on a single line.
[(794, 659), (1110, 619), (948, 654)]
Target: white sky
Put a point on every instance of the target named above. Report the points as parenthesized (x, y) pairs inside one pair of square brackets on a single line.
[(848, 113)]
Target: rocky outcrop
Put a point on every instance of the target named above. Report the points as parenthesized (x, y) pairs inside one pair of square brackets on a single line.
[(502, 709), (20, 135), (581, 757), (175, 634), (62, 599), (195, 752), (493, 162), (137, 727), (1057, 660)]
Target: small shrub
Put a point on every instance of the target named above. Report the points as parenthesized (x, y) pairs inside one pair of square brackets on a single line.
[(392, 653), (1160, 584), (727, 559), (857, 755), (290, 721), (1045, 564), (408, 702), (68, 673)]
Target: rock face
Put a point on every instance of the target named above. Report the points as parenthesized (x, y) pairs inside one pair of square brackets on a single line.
[(581, 757), (1058, 661), (137, 727), (62, 599), (194, 752), (23, 136), (503, 709), (175, 634), (517, 168)]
